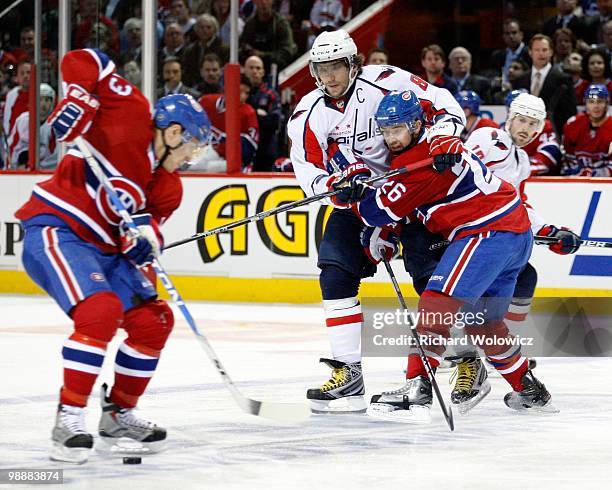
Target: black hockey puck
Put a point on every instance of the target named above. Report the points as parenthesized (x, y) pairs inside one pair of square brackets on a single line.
[(132, 460)]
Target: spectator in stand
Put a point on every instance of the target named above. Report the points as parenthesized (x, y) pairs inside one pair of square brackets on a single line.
[(174, 44), (470, 103), (564, 43), (544, 152), (210, 72), (515, 49), (17, 97), (172, 74), (25, 51), (266, 102), (131, 47), (553, 86), (221, 10), (182, 16), (607, 37), (573, 67), (87, 16), (433, 62), (101, 37), (595, 70), (565, 18), (460, 65), (132, 73), (595, 23), (268, 35), (587, 137), (378, 56), (326, 15), (48, 68), (19, 139), (214, 105), (206, 29), (517, 69)]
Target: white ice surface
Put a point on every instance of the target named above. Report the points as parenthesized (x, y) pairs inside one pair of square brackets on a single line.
[(272, 353)]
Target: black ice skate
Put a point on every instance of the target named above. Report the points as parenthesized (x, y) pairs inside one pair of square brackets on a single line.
[(342, 393), (411, 404), (71, 442), (471, 385), (534, 397), (122, 431)]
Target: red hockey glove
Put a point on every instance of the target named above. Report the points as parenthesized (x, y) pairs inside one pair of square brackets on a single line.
[(350, 181), (568, 243), (380, 241), (73, 115), (283, 164), (444, 146), (145, 248)]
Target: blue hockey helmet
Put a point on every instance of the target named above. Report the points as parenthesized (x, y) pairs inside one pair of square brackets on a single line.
[(183, 109), (399, 108), (596, 91), (510, 96), (468, 99)]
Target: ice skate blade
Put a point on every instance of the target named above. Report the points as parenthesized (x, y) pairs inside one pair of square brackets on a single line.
[(416, 415), (517, 405), (347, 404), (64, 454), (125, 445), (464, 408)]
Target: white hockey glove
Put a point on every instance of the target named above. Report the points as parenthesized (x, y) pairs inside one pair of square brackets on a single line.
[(145, 248)]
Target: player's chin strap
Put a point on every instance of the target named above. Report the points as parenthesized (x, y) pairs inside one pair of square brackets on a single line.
[(167, 148)]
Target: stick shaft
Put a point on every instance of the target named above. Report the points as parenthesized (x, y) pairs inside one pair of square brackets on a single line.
[(292, 205), (446, 411)]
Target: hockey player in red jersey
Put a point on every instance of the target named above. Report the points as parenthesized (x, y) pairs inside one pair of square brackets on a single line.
[(587, 137), (490, 242), (470, 103), (76, 246), (214, 105)]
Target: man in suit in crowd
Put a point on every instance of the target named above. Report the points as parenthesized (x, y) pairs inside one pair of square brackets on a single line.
[(460, 64), (553, 86), (501, 59), (565, 18)]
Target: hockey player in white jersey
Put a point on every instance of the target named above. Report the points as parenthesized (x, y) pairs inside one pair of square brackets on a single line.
[(501, 151), (332, 129)]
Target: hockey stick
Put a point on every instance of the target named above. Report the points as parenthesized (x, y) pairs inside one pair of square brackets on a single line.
[(282, 412), (446, 411), (295, 204), (549, 240)]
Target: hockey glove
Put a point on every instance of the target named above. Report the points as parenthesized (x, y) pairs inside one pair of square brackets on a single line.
[(568, 243), (73, 115), (146, 247), (283, 164), (380, 241), (350, 183), (444, 146)]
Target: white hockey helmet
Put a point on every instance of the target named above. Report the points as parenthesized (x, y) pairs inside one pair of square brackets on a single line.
[(331, 46), (530, 106), (46, 90)]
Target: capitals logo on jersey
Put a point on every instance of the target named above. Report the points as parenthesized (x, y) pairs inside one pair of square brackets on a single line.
[(129, 194)]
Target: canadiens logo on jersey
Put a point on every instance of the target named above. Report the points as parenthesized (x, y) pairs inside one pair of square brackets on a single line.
[(129, 194)]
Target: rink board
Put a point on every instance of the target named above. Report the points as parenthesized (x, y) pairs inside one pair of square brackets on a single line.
[(275, 260)]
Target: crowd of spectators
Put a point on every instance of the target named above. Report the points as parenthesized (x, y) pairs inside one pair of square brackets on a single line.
[(570, 53)]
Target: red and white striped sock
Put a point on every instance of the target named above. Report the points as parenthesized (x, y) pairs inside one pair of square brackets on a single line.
[(344, 321)]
